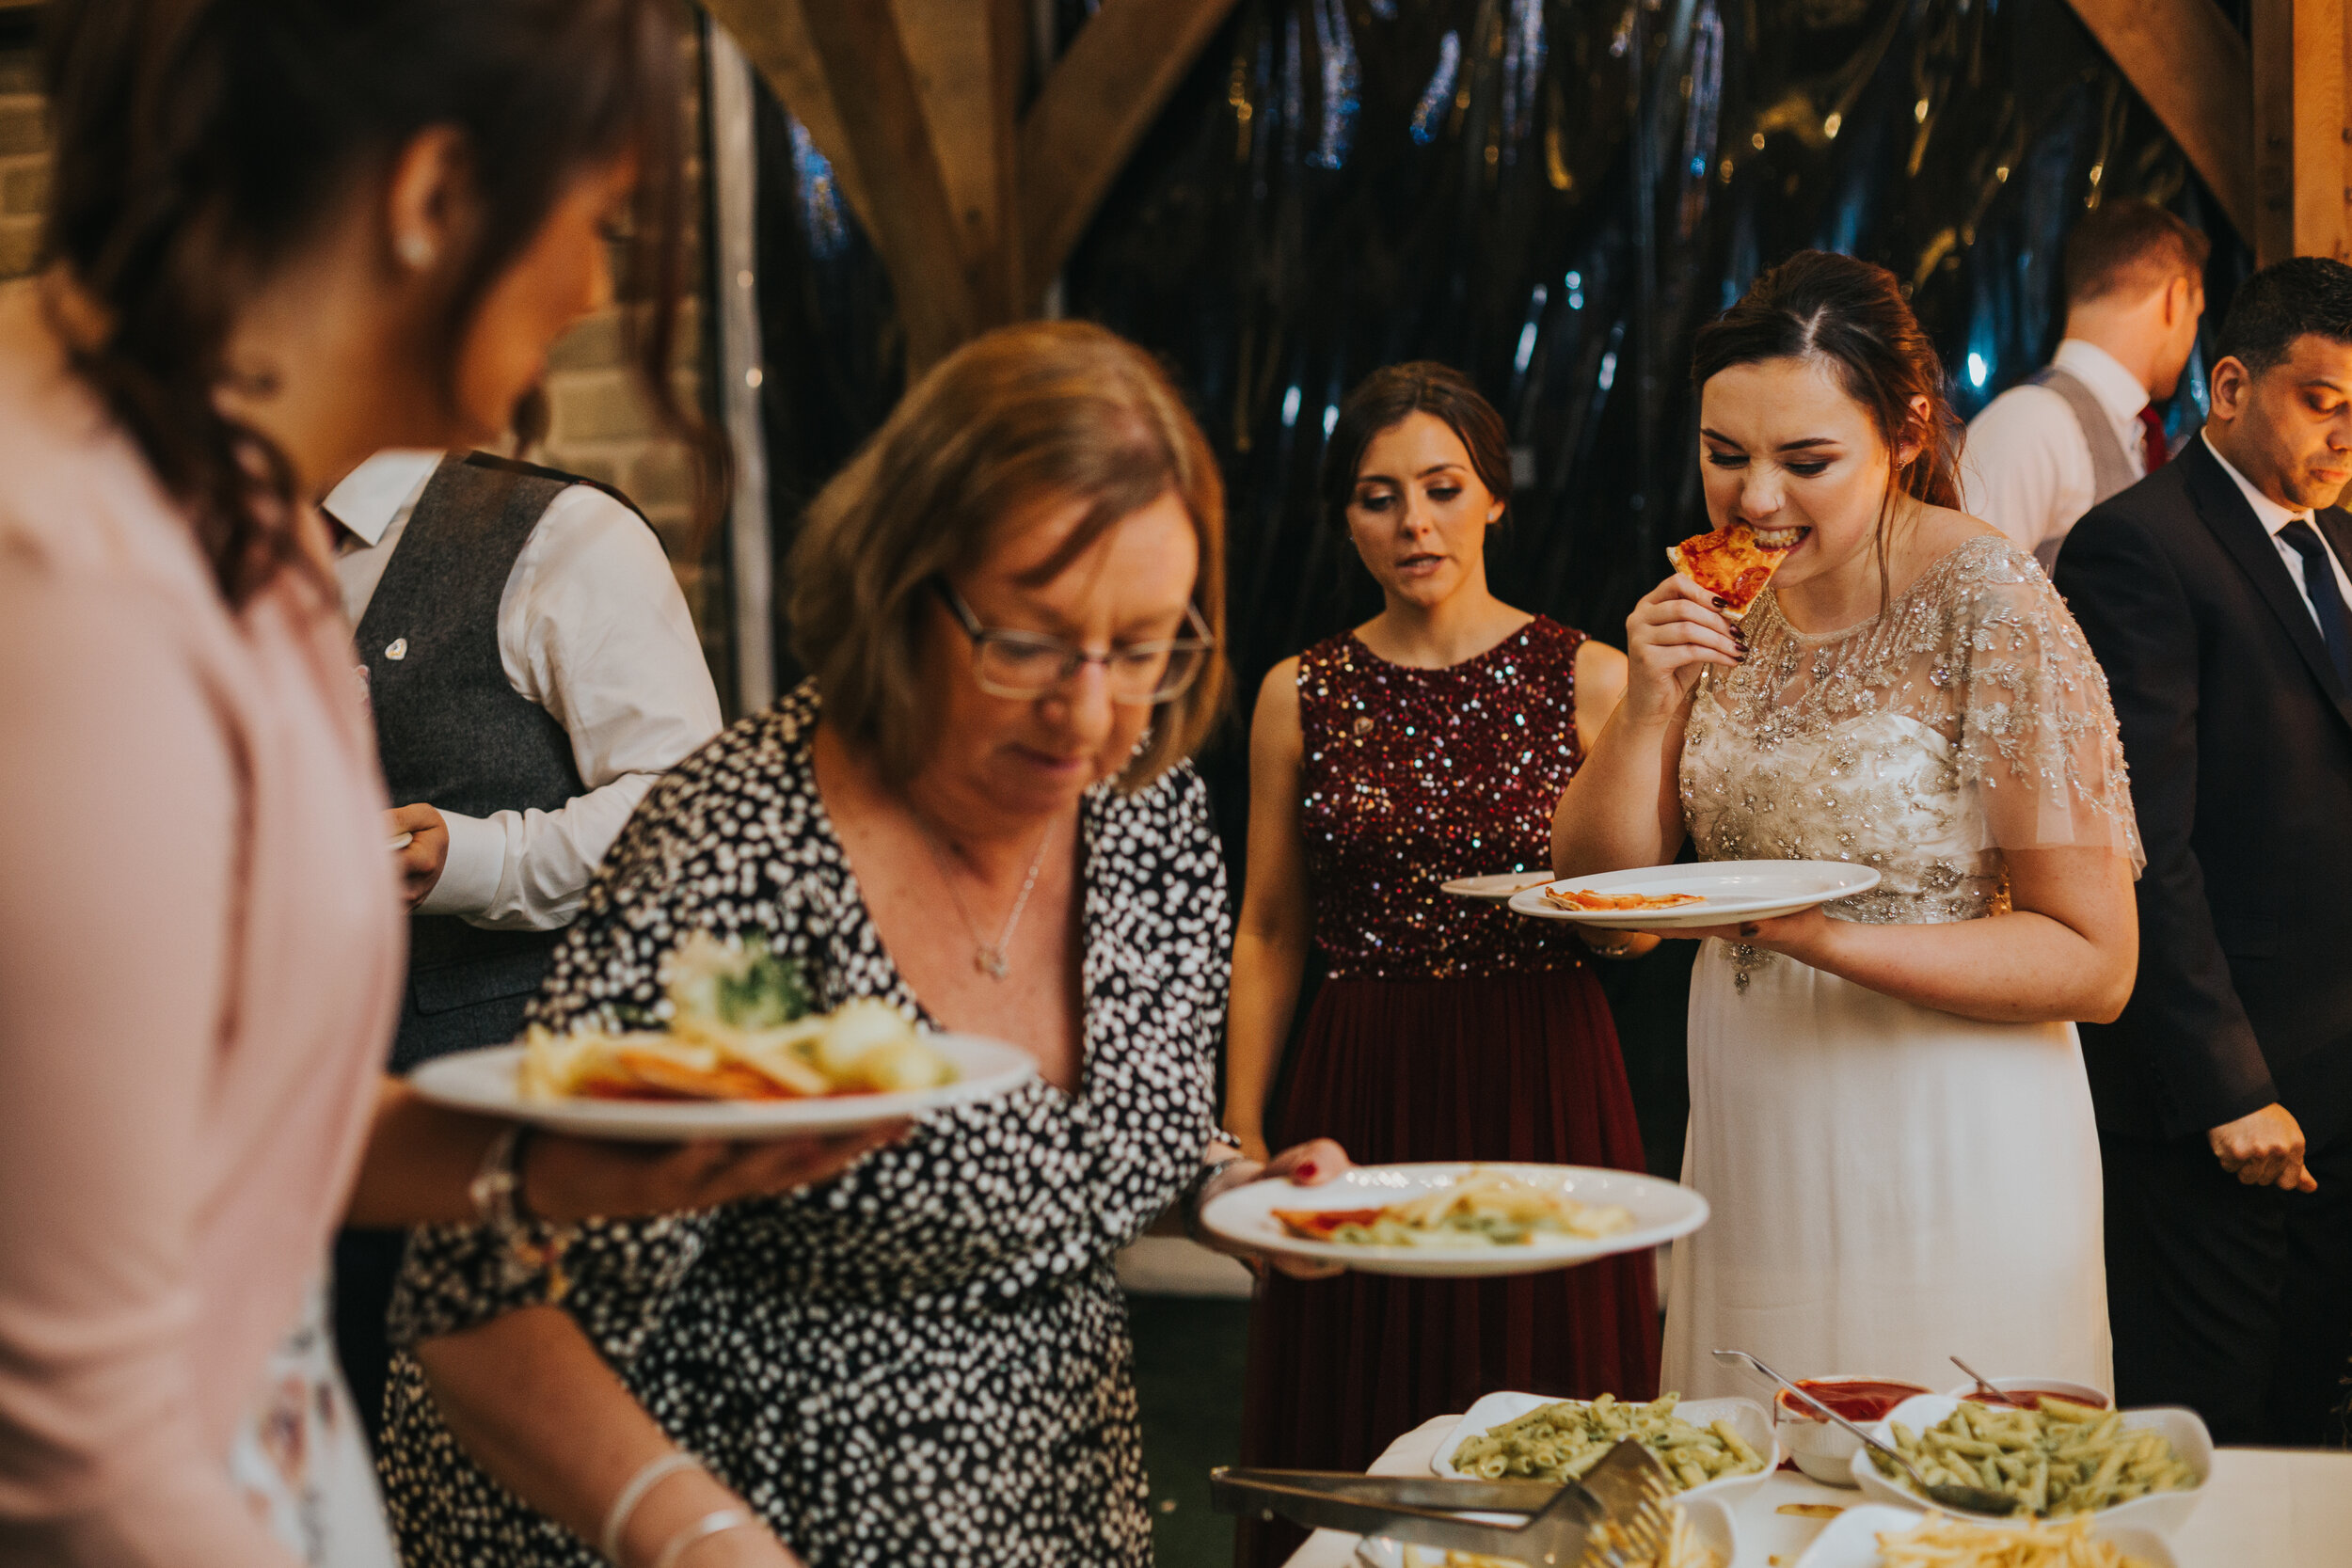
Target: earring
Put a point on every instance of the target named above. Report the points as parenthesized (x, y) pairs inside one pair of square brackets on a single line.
[(416, 250)]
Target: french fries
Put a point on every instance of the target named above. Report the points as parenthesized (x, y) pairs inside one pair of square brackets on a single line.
[(2063, 1459), (1940, 1542), (1560, 1442)]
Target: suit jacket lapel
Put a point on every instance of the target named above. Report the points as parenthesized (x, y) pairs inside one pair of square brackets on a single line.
[(2233, 523)]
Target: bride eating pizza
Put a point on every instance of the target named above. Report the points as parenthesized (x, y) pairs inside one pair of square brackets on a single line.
[(1889, 1112)]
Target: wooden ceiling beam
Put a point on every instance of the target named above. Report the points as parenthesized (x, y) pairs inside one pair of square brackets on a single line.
[(912, 221), (774, 36), (2187, 61), (1108, 86)]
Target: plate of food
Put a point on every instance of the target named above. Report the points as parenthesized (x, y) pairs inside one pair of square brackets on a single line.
[(1878, 1536), (1496, 887), (1700, 1534), (2141, 1467), (1735, 564), (1458, 1220), (1703, 893), (738, 1051), (1722, 1449)]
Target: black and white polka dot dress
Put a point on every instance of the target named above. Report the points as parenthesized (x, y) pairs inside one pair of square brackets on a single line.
[(926, 1361)]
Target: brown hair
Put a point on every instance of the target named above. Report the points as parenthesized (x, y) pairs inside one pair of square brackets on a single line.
[(2130, 245), (1383, 399), (1028, 415), (1851, 313), (200, 143)]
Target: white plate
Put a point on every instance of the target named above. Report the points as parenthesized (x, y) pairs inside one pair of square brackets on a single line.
[(1662, 1211), (1751, 1420), (1851, 1540), (399, 841), (1734, 890), (484, 1081), (1710, 1518), (1496, 888), (2159, 1511)]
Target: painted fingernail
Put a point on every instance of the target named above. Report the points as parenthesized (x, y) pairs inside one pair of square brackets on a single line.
[(1306, 1172), (1748, 929), (1722, 603)]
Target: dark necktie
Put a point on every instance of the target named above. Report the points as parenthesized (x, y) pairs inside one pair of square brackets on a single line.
[(2153, 448), (2319, 586)]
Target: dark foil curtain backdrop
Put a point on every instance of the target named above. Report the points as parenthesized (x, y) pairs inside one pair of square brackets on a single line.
[(1551, 197)]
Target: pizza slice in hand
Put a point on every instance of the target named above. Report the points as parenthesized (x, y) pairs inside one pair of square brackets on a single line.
[(1734, 563)]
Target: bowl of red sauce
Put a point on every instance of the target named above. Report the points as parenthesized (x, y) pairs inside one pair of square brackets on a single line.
[(1822, 1448), (2027, 1393)]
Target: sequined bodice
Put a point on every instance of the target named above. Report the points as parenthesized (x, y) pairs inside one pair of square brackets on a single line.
[(1966, 719), (1414, 777)]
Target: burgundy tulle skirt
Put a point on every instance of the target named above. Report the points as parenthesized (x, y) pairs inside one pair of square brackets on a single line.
[(1522, 1067)]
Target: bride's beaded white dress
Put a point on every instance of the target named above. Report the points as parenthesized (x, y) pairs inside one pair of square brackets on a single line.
[(1893, 1184)]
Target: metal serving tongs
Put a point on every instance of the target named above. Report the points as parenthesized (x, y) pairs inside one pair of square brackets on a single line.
[(1614, 1517)]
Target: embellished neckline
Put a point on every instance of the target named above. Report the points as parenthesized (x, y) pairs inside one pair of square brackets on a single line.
[(1929, 578)]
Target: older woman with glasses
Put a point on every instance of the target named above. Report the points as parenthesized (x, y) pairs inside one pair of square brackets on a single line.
[(977, 809)]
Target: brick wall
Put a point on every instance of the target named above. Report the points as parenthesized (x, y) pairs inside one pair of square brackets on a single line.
[(600, 425)]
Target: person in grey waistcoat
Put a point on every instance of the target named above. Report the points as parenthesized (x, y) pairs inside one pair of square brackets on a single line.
[(532, 669), (2088, 424)]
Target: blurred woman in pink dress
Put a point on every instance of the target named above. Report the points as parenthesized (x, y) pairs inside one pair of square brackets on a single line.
[(284, 236)]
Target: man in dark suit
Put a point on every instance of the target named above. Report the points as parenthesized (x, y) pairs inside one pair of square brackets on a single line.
[(2214, 592)]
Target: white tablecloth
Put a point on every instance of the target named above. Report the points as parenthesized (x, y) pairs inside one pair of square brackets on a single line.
[(2265, 1507)]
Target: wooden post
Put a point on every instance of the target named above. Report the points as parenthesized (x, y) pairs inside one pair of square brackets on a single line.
[(2302, 170), (2186, 58)]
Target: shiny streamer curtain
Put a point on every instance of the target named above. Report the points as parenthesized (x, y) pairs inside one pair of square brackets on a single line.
[(1551, 197)]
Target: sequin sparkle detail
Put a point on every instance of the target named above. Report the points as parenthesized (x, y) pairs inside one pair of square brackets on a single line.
[(1414, 777)]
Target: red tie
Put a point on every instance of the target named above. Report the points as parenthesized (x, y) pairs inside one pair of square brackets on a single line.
[(2153, 446)]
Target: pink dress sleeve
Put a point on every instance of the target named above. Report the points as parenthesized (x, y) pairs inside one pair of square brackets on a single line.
[(119, 805)]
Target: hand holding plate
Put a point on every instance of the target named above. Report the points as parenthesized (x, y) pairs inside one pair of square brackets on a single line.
[(566, 1178), (1306, 1165)]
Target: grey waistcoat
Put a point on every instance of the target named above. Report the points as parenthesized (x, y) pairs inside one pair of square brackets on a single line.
[(454, 733), (2110, 465)]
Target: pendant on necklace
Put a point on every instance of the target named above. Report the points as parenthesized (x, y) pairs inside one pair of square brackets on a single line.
[(991, 962)]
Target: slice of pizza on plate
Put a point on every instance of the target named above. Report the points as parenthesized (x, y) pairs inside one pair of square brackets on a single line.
[(1734, 563)]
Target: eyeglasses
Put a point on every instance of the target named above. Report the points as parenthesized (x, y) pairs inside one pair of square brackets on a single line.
[(1030, 664)]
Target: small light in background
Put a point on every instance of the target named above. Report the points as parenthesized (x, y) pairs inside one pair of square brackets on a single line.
[(1756, 141), (1527, 348), (1919, 111), (753, 377), (1330, 418), (1831, 126), (1290, 408), (1609, 370), (1976, 369)]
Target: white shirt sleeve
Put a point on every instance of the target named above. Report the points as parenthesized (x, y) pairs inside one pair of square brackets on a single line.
[(2026, 467), (593, 628)]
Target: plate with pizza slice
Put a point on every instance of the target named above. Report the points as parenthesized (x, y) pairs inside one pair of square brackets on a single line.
[(1735, 564), (1683, 897)]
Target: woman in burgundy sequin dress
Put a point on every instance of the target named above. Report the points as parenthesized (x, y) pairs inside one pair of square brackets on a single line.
[(1432, 742)]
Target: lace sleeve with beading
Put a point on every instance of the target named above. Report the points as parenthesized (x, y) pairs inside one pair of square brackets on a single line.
[(2036, 731)]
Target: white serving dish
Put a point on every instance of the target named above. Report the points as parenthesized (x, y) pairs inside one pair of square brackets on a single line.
[(1661, 1211), (485, 1080), (1733, 890), (1851, 1540), (1823, 1450), (2161, 1512), (1751, 1420), (1711, 1520), (2081, 1393)]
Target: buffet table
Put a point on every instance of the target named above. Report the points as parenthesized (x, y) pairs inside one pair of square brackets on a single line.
[(2264, 1508)]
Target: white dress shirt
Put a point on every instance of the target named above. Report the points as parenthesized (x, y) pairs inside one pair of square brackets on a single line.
[(592, 628), (2026, 467), (2274, 519)]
